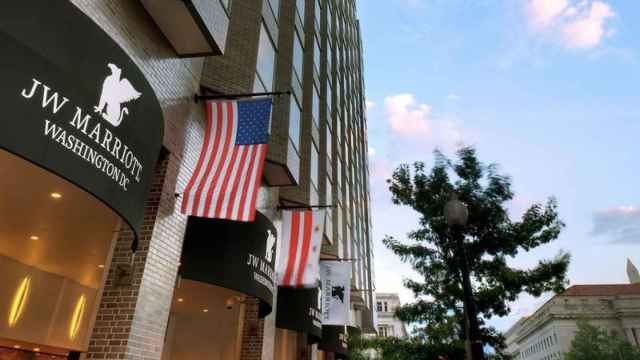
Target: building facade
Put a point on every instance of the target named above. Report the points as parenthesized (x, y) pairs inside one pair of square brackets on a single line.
[(388, 323), (97, 260), (548, 333)]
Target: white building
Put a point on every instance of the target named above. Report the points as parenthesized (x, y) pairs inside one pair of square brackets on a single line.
[(388, 323), (547, 334)]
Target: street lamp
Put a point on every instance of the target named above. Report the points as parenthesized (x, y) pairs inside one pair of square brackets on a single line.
[(457, 214)]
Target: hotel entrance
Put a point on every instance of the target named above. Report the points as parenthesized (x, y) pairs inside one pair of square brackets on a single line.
[(55, 246)]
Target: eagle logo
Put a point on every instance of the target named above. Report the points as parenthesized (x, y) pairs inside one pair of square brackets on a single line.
[(271, 242), (337, 292), (115, 92)]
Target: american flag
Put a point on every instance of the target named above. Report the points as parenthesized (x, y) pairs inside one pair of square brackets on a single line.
[(228, 174), (299, 263)]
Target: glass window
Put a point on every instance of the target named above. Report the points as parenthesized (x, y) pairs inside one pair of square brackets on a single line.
[(294, 121), (258, 86), (266, 59), (275, 7), (315, 106), (314, 164), (316, 53), (298, 55), (329, 141), (300, 8), (329, 99), (329, 61), (329, 18), (318, 13)]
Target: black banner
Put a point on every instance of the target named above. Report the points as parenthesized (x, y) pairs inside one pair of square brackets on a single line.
[(232, 254), (299, 310), (73, 102), (334, 339)]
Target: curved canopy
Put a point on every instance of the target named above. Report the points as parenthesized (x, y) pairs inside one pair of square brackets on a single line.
[(235, 255)]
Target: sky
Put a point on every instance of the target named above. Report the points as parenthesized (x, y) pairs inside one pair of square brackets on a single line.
[(548, 89)]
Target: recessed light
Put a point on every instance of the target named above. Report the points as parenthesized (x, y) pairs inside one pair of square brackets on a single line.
[(180, 299), (205, 310), (17, 346), (56, 195), (34, 237), (101, 266), (36, 349)]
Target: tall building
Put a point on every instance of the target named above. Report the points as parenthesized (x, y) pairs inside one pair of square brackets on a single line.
[(388, 323), (632, 273), (547, 333), (100, 141)]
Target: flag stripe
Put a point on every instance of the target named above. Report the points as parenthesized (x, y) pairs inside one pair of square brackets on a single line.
[(308, 227), (256, 179), (231, 203), (204, 154), (204, 185), (247, 183), (293, 246)]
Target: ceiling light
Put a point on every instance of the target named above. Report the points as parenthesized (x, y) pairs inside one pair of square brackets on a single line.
[(205, 310), (101, 266), (180, 299), (56, 195), (17, 346), (36, 349), (34, 237)]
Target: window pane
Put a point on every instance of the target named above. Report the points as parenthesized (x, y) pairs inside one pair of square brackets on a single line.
[(275, 6), (266, 59), (329, 142), (315, 106), (316, 53), (314, 164), (298, 55), (329, 100), (300, 8), (294, 121)]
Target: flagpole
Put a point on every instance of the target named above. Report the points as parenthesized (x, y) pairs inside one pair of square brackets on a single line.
[(198, 97), (309, 207)]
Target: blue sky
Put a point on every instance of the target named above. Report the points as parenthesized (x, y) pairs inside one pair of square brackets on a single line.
[(548, 89)]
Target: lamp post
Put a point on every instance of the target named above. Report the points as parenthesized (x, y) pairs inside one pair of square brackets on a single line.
[(457, 214)]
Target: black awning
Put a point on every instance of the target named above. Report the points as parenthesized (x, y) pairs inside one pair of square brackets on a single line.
[(334, 339), (235, 255), (75, 103), (299, 310)]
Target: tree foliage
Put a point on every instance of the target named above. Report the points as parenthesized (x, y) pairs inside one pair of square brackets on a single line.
[(393, 348), (491, 238), (593, 343)]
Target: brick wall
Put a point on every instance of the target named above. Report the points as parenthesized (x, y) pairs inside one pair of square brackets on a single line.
[(252, 332)]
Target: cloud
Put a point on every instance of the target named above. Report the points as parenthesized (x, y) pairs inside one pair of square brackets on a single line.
[(453, 97), (543, 12), (409, 119), (370, 104), (406, 117), (621, 224), (575, 24), (588, 31)]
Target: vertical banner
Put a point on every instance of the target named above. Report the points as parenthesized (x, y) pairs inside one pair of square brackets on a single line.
[(336, 292)]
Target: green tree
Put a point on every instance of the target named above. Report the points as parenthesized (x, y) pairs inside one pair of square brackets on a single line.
[(593, 343), (392, 348), (491, 238)]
